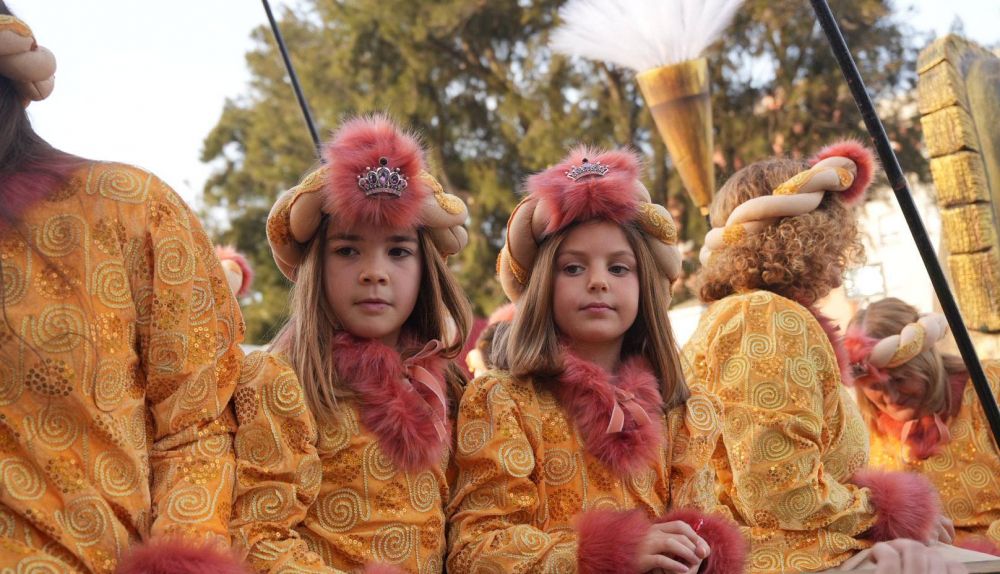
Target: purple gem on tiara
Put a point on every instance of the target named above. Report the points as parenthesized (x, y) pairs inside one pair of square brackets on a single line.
[(586, 168), (382, 180)]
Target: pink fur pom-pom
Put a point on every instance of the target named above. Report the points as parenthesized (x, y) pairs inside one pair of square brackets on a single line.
[(610, 197), (179, 556), (609, 540), (906, 504), (728, 547), (358, 146), (229, 253), (859, 347), (862, 158)]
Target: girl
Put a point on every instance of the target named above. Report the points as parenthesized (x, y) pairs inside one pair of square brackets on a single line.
[(924, 416), (569, 457), (376, 316), (793, 445), (119, 352)]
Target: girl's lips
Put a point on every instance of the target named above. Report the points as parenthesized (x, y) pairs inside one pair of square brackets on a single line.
[(373, 305)]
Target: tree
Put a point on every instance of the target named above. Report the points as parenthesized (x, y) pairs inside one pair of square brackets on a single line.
[(494, 105)]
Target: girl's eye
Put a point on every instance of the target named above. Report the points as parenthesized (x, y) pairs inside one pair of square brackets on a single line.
[(345, 251), (619, 269), (573, 269), (399, 252)]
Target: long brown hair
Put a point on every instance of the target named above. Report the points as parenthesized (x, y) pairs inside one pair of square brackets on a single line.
[(801, 258), (888, 317), (531, 347), (441, 312)]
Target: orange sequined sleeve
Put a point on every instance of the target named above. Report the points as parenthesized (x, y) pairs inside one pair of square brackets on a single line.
[(189, 328), (278, 468), (491, 526)]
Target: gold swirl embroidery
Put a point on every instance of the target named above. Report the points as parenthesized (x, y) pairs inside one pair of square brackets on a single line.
[(559, 466), (175, 264), (86, 519), (424, 492), (257, 446), (11, 384), (190, 504), (472, 436), (120, 184), (56, 426), (21, 480), (284, 395), (60, 235), (167, 351), (13, 283), (379, 466), (338, 511), (392, 543), (59, 329), (655, 224), (116, 475), (517, 458), (110, 283)]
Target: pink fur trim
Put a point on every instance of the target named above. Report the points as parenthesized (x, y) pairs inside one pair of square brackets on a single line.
[(832, 331), (383, 569), (609, 197), (588, 394), (178, 556), (977, 543), (229, 253), (503, 313), (906, 504), (859, 347), (608, 541), (403, 423), (357, 146), (862, 158), (729, 548), (34, 182)]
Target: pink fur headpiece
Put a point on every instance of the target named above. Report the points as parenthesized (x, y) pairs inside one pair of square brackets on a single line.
[(589, 184), (874, 357), (239, 274), (846, 167), (374, 175)]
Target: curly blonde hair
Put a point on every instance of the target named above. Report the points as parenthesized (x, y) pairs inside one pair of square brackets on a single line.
[(801, 258)]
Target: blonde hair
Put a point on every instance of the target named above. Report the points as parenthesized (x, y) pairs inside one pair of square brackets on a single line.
[(801, 258), (441, 312), (531, 347), (888, 317)]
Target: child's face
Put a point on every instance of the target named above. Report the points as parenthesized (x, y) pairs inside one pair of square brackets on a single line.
[(372, 278), (596, 290), (899, 397)]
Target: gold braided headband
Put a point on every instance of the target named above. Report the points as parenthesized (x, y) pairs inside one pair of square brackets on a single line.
[(914, 339), (31, 67)]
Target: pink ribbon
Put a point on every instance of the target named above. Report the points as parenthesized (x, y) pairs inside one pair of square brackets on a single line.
[(416, 374), (625, 400), (943, 432)]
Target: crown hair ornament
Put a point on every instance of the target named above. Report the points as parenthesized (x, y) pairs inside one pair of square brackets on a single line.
[(382, 180), (586, 168)]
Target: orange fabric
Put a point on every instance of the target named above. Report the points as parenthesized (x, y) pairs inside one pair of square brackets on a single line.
[(325, 499), (791, 435), (524, 475), (119, 352), (966, 470)]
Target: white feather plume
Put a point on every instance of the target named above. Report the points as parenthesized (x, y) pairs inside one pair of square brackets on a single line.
[(641, 34)]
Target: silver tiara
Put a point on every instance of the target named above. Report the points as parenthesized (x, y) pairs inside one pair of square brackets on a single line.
[(585, 169), (382, 180)]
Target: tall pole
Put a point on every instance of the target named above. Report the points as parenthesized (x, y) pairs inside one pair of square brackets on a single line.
[(292, 75), (890, 163)]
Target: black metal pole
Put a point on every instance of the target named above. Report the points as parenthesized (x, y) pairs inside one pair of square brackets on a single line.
[(292, 75), (902, 190)]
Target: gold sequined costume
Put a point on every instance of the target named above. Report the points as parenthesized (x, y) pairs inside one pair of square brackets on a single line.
[(118, 356), (966, 469)]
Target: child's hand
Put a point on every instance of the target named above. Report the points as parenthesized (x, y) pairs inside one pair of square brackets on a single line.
[(672, 547), (945, 530), (903, 556)]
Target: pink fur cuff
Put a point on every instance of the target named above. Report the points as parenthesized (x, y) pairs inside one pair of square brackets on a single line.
[(728, 546), (609, 540), (179, 556), (906, 504)]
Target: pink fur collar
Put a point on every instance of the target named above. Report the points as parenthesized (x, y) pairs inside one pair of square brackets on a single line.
[(588, 393), (410, 419), (832, 331)]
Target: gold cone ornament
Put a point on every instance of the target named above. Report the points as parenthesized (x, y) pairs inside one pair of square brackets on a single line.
[(678, 97), (663, 41)]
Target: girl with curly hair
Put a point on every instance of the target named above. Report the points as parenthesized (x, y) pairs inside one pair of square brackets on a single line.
[(793, 448)]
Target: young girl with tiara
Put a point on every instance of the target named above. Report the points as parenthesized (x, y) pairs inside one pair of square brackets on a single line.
[(569, 458), (793, 448), (345, 424), (924, 416)]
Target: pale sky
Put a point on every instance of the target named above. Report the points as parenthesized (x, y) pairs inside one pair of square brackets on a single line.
[(143, 82)]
